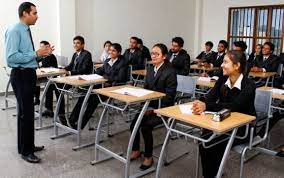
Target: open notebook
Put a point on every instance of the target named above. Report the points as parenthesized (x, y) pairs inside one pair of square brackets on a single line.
[(138, 92)]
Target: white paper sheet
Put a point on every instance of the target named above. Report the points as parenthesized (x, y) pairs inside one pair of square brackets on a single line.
[(49, 70), (205, 79), (132, 91), (277, 91), (186, 109), (90, 77)]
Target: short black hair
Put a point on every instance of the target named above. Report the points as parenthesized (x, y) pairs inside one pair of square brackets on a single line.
[(225, 43), (163, 49), (44, 42), (178, 40), (135, 38), (140, 41), (25, 7), (241, 44), (80, 38), (209, 43), (117, 47), (107, 42), (271, 45)]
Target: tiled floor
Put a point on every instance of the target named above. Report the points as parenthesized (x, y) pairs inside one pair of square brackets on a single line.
[(59, 160)]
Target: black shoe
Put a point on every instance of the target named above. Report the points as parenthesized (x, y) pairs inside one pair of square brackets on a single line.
[(145, 167), (36, 102), (63, 120), (31, 158), (38, 148), (47, 113), (280, 154)]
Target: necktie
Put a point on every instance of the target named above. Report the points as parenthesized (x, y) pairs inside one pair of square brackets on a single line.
[(75, 61), (173, 57), (29, 30)]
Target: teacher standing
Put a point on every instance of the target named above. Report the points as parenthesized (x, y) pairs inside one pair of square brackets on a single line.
[(22, 58)]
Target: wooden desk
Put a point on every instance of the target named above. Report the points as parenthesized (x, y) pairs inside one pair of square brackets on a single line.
[(274, 95), (232, 123), (262, 74), (128, 100), (209, 84), (205, 69), (139, 72), (75, 82), (47, 72), (98, 65)]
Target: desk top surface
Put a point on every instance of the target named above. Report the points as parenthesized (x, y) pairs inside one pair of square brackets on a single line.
[(48, 72), (205, 120), (139, 72), (262, 74), (197, 67), (127, 98), (75, 81), (274, 95)]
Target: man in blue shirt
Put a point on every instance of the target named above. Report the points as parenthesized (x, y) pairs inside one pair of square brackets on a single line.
[(21, 57)]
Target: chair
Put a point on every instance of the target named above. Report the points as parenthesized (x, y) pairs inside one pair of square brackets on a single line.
[(262, 104), (61, 60), (7, 99), (186, 86)]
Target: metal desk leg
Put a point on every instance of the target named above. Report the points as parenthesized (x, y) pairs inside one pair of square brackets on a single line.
[(226, 153), (82, 111), (8, 99), (42, 100), (161, 157)]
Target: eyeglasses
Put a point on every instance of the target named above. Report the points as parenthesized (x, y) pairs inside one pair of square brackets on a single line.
[(154, 54)]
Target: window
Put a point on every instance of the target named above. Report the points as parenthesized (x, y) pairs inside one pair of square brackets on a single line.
[(256, 25)]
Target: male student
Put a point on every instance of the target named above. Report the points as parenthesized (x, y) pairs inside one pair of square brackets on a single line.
[(178, 57), (207, 55), (22, 58), (145, 51), (133, 55), (80, 64)]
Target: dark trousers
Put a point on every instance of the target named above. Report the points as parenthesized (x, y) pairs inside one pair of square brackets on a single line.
[(92, 104), (49, 99), (212, 157), (147, 125), (24, 83)]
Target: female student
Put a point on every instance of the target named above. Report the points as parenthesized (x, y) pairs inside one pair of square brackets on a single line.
[(115, 71), (105, 54), (233, 91), (160, 77)]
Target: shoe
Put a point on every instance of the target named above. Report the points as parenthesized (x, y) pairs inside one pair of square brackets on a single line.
[(134, 156), (280, 154), (63, 120), (144, 167), (36, 102), (47, 113), (38, 148), (31, 158)]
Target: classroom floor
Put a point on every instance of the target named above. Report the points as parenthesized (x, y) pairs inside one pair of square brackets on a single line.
[(59, 160)]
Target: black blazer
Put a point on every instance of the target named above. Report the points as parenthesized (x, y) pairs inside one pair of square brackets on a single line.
[(84, 64), (181, 63), (217, 62), (221, 96), (135, 59), (165, 81), (146, 53), (116, 74), (49, 61), (206, 57), (271, 64)]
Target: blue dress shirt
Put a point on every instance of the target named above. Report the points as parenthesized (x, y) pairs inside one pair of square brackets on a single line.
[(19, 47)]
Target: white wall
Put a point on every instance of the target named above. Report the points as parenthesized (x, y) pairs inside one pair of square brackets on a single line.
[(214, 17), (153, 21)]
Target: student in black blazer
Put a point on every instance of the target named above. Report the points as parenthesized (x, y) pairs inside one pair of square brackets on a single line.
[(178, 57), (115, 70), (145, 51), (207, 55), (81, 63), (133, 55), (160, 77), (233, 91), (267, 62)]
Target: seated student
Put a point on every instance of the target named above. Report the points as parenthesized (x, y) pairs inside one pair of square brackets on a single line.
[(207, 55), (160, 77), (48, 61), (234, 91), (105, 54), (115, 71), (253, 56), (145, 51), (81, 63), (133, 55), (240, 46), (267, 62), (178, 57)]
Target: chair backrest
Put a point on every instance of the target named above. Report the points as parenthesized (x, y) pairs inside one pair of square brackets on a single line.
[(186, 84), (262, 102), (279, 70), (62, 61)]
